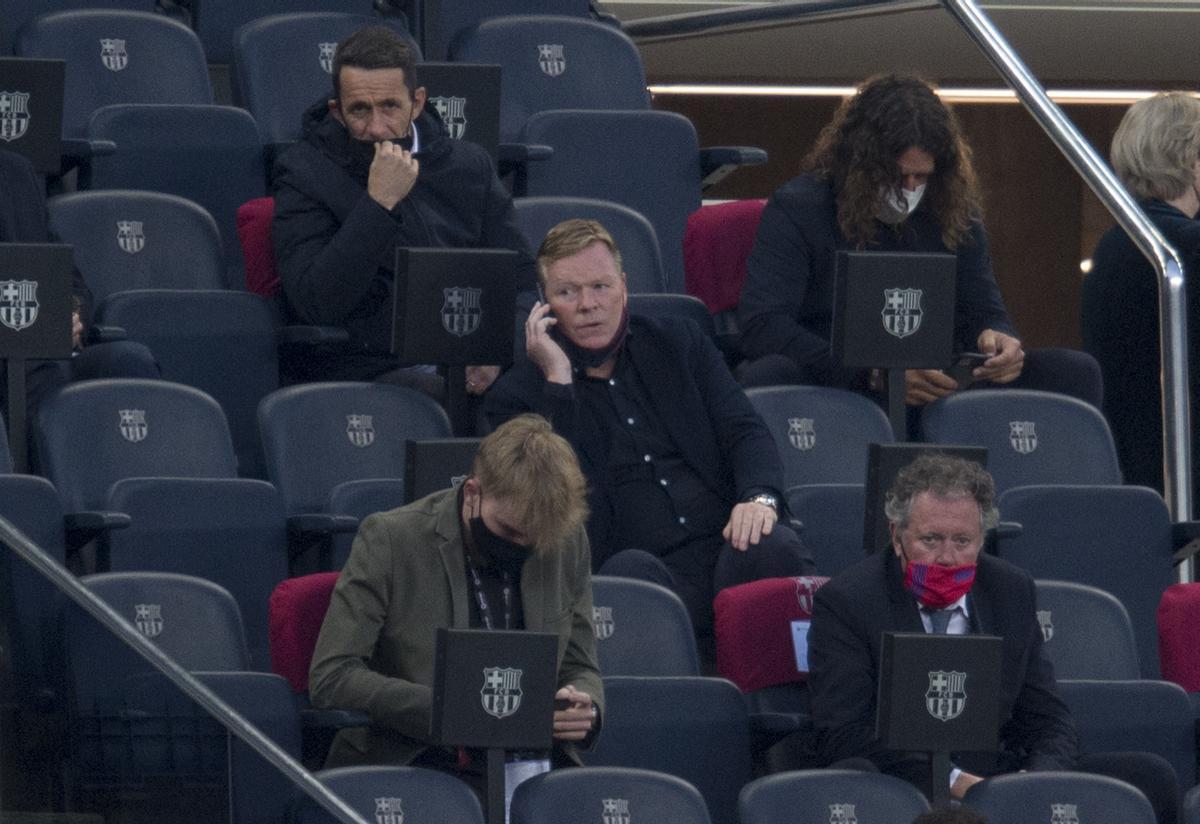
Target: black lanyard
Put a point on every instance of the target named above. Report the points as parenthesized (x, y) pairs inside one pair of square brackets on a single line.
[(485, 608)]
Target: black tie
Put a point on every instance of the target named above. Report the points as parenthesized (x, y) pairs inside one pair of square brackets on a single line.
[(939, 619)]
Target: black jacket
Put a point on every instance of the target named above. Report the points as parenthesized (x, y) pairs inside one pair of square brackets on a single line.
[(335, 247)]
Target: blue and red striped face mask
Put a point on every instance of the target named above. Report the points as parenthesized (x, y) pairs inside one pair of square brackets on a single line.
[(938, 586)]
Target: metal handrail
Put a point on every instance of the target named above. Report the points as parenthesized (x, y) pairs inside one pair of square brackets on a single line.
[(750, 17), (69, 585)]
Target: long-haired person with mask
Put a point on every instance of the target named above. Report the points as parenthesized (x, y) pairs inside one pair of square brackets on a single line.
[(505, 549)]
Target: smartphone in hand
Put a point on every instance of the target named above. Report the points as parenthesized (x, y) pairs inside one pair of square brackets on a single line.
[(964, 364)]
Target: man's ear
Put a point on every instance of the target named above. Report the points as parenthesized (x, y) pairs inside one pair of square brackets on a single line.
[(336, 111), (419, 97), (895, 533)]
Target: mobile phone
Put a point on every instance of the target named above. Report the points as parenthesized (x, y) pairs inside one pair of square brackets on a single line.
[(964, 364)]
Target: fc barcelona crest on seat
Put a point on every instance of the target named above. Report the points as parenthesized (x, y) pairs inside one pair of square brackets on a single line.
[(133, 425), (148, 619), (388, 811), (947, 695), (113, 54), (360, 429), (901, 311), (501, 691), (18, 303), (130, 236), (14, 115), (453, 112), (461, 311), (325, 56), (1023, 436), (615, 811), (801, 433), (551, 59)]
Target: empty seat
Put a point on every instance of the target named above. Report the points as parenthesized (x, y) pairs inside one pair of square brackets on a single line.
[(834, 795), (641, 629), (831, 518), (115, 56), (16, 13), (393, 793), (1179, 635), (822, 433), (441, 22), (358, 499), (1032, 437), (607, 794), (139, 240), (1086, 632), (1059, 796), (673, 306), (216, 21)]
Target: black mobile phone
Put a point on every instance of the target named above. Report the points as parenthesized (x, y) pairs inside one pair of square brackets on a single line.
[(964, 364)]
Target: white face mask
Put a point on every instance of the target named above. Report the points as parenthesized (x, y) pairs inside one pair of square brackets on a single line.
[(899, 203)]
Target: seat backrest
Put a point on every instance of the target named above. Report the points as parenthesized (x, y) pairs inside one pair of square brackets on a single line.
[(442, 21), (297, 608), (1086, 632), (674, 306), (822, 433), (1087, 534), (209, 154), (93, 433), (16, 13), (282, 64), (832, 519), (548, 62), (6, 465), (115, 56), (216, 22), (646, 160), (1035, 796), (635, 236), (1032, 437), (1137, 716), (218, 341), (377, 793), (139, 240), (717, 243), (360, 499), (228, 531), (641, 629), (812, 795), (318, 435), (254, 234), (596, 793), (694, 728), (1179, 635)]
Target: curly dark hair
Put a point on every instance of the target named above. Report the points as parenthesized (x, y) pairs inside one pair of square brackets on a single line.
[(859, 149)]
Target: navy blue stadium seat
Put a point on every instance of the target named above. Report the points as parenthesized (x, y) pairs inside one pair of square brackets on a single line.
[(389, 793), (6, 464), (549, 62), (831, 518), (139, 240), (822, 433), (635, 236), (650, 305), (358, 499), (607, 794), (641, 629), (1059, 796), (833, 795), (221, 342), (216, 21), (441, 22), (1086, 632), (115, 56), (16, 13)]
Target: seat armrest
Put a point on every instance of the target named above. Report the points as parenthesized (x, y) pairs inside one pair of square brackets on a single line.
[(316, 524), (718, 162), (333, 719), (1185, 538), (312, 335)]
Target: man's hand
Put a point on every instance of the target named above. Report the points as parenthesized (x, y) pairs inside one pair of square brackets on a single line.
[(480, 378), (392, 175), (963, 783), (1007, 357), (542, 349), (76, 330), (575, 722), (748, 522), (922, 386)]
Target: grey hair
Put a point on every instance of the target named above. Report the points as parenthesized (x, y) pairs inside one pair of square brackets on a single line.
[(1155, 149), (943, 476)]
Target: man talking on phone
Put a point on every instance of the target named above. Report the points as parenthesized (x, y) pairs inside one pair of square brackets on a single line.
[(374, 171), (684, 478)]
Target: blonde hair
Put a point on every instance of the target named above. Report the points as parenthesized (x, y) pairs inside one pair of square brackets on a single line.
[(1155, 149), (535, 472), (570, 238)]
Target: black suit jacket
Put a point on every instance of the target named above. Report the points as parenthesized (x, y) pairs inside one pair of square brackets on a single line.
[(705, 411), (850, 615), (23, 205)]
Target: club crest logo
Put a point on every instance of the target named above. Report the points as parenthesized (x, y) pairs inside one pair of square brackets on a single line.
[(614, 811), (461, 312), (455, 480), (1063, 814), (14, 115), (801, 433), (1023, 436), (130, 236), (360, 430), (602, 623), (325, 58), (501, 691), (453, 112), (133, 425), (947, 695), (18, 303), (551, 60), (1047, 625), (902, 311), (148, 619), (806, 588), (113, 54), (388, 811), (842, 814)]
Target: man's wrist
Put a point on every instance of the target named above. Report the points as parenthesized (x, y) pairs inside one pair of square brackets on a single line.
[(766, 499)]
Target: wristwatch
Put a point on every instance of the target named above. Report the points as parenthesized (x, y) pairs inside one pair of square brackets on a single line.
[(766, 500)]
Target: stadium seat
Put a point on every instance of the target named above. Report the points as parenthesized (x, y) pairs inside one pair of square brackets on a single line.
[(635, 236), (1032, 437), (831, 518), (673, 306), (115, 56), (217, 21), (139, 240), (442, 22), (549, 62), (834, 795), (607, 794), (221, 342), (392, 793), (1020, 798), (1086, 633), (692, 728), (1090, 535), (209, 154), (282, 64), (822, 433), (716, 244), (6, 465), (1179, 635), (16, 13), (297, 608), (641, 629), (358, 499), (228, 531)]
